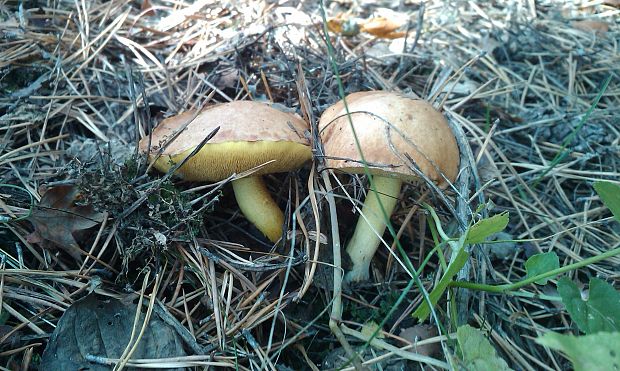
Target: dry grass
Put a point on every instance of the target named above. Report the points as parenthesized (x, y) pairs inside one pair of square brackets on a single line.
[(516, 79)]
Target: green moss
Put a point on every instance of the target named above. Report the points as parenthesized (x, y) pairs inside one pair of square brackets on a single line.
[(145, 225)]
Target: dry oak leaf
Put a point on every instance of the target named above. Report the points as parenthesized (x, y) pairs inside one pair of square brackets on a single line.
[(380, 27), (383, 27), (344, 26), (58, 216)]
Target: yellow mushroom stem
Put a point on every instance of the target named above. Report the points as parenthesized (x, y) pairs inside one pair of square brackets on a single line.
[(258, 206), (371, 225)]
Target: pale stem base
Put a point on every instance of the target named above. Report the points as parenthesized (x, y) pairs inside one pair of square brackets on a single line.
[(369, 230), (258, 206)]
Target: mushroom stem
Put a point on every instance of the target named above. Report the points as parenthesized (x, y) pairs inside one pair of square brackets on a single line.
[(369, 230), (258, 206)]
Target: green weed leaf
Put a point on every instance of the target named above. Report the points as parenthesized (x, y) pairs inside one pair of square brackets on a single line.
[(542, 263), (599, 351), (487, 227), (454, 267), (477, 351), (610, 195), (601, 312)]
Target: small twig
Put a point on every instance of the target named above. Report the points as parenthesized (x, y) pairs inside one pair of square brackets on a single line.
[(170, 320), (390, 348), (254, 267)]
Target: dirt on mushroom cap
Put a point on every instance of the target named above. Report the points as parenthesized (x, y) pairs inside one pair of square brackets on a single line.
[(389, 127)]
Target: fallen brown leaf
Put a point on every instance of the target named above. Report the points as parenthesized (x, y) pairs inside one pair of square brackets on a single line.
[(58, 217), (596, 26), (422, 332), (147, 8), (343, 26), (334, 25), (383, 28), (11, 339), (102, 326)]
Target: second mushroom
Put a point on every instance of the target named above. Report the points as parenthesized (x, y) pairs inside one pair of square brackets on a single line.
[(391, 131)]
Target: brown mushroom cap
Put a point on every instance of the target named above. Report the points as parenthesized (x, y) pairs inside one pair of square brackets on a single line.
[(388, 127), (251, 134)]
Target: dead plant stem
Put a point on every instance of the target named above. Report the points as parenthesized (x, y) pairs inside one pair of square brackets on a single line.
[(336, 314)]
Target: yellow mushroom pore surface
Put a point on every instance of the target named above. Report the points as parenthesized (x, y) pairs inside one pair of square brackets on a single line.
[(218, 161)]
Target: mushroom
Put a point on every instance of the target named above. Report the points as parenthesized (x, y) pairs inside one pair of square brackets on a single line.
[(251, 134), (390, 128)]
